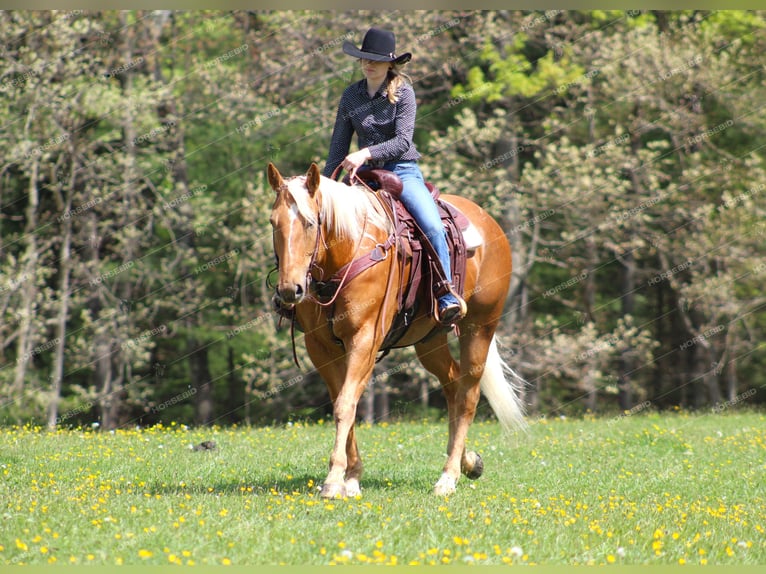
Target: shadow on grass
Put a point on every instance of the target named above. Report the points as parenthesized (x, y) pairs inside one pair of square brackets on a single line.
[(297, 485)]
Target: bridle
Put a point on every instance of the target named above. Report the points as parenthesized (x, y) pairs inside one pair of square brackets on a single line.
[(312, 266)]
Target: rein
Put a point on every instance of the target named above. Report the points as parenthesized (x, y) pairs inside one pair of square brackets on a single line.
[(347, 267)]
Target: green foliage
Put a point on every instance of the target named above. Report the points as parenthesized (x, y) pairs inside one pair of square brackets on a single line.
[(621, 151), (511, 74)]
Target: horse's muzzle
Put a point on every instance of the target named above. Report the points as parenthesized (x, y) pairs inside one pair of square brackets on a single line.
[(291, 293)]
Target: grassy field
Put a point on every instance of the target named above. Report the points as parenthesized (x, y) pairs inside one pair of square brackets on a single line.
[(644, 489)]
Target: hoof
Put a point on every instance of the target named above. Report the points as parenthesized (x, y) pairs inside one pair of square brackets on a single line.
[(352, 488), (473, 465), (333, 490), (446, 486)]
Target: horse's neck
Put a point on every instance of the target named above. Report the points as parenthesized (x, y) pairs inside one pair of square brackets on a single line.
[(335, 252), (350, 235)]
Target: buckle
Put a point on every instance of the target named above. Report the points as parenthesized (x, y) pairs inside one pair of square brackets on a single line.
[(379, 253)]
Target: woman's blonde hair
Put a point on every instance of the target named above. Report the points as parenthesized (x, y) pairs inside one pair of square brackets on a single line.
[(396, 79)]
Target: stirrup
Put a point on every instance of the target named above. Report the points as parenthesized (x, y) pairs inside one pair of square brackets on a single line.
[(452, 313)]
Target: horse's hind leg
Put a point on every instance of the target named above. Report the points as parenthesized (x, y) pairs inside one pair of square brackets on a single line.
[(435, 356), (462, 393)]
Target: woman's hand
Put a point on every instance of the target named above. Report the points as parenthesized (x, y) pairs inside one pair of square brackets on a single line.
[(355, 160)]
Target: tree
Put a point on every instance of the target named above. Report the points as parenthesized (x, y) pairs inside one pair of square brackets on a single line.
[(621, 151)]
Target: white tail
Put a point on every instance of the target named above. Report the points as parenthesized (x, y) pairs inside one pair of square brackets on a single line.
[(503, 388)]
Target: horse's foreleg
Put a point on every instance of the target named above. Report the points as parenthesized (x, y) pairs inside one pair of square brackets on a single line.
[(353, 465), (331, 364), (345, 464)]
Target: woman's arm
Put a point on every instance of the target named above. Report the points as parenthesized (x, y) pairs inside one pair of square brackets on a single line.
[(341, 139)]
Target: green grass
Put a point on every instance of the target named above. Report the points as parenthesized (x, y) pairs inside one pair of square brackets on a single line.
[(645, 489)]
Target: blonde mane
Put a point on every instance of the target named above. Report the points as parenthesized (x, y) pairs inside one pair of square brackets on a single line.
[(343, 208)]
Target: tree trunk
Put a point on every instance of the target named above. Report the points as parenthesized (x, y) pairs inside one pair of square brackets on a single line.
[(424, 394), (591, 392), (589, 286), (730, 375), (700, 350), (628, 298), (728, 367), (103, 341), (517, 310), (201, 381), (384, 410), (367, 405), (710, 376), (28, 285), (110, 396), (63, 312), (698, 377), (625, 393), (680, 367), (659, 365)]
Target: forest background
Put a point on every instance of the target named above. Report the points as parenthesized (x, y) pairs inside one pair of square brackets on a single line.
[(622, 151)]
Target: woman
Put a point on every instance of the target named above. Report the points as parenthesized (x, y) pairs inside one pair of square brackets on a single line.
[(381, 110)]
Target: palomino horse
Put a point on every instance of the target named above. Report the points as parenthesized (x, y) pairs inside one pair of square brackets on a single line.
[(319, 226)]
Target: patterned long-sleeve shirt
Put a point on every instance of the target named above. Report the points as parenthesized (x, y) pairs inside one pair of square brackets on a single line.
[(385, 128)]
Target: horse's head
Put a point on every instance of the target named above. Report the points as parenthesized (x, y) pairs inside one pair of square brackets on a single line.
[(295, 223)]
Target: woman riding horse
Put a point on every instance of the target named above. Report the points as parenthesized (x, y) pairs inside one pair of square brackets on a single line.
[(381, 110)]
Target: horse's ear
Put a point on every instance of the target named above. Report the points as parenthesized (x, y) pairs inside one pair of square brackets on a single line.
[(312, 179), (275, 178)]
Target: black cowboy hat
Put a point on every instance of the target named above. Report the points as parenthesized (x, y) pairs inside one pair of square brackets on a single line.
[(378, 45)]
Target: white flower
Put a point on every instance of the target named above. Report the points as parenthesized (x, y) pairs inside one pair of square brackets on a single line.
[(517, 551)]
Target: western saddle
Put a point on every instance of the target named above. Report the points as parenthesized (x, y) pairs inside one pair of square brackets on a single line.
[(413, 246)]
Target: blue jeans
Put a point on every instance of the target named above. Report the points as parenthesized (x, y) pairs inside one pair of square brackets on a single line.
[(418, 201)]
